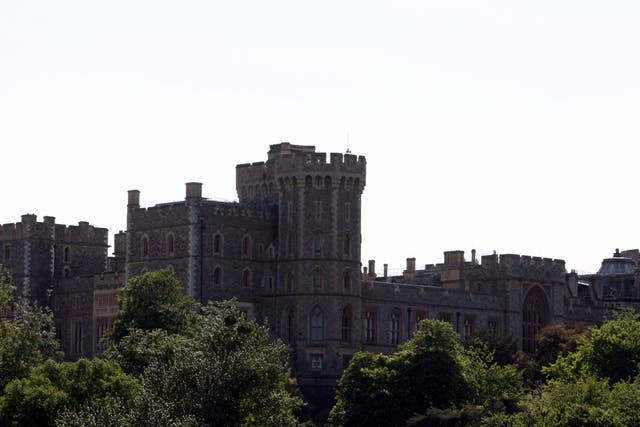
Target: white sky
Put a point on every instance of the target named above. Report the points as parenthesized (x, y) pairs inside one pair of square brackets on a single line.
[(496, 125)]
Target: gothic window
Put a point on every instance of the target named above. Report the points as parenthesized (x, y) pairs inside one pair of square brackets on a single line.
[(287, 326), (217, 275), (144, 247), (395, 328), (468, 327), (7, 252), (289, 282), (370, 327), (346, 325), (317, 325), (493, 325), (346, 280), (290, 244), (77, 338), (246, 278), (347, 211), (246, 247), (170, 244), (347, 244), (217, 244), (317, 246), (535, 315), (66, 254), (317, 279)]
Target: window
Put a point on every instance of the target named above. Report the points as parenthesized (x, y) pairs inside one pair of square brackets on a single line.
[(468, 326), (170, 244), (217, 276), (347, 244), (271, 252), (103, 325), (317, 280), (395, 328), (246, 278), (493, 325), (420, 316), (77, 338), (246, 246), (317, 325), (217, 244), (370, 327), (144, 246), (318, 209), (316, 362), (346, 325), (7, 252), (445, 317), (260, 250), (290, 244), (66, 272), (347, 211), (318, 182), (270, 283), (346, 280), (287, 326), (317, 246), (66, 254), (289, 282), (535, 315)]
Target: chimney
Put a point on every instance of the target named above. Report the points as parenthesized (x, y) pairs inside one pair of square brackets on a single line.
[(411, 264), (473, 256), (194, 191), (386, 270), (133, 199), (372, 268)]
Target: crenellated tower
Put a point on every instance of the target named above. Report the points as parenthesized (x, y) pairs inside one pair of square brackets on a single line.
[(317, 301)]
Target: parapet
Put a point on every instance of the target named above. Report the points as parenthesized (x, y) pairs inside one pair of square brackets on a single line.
[(29, 227)]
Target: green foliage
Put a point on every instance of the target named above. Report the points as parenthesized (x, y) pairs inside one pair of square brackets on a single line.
[(154, 300), (557, 340), (503, 347), (27, 338), (51, 387), (610, 352), (230, 374)]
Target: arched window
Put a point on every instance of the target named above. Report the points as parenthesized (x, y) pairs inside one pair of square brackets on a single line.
[(535, 315), (317, 279), (290, 244), (67, 254), (246, 246), (395, 327), (217, 244), (144, 246), (246, 278), (370, 326), (346, 325), (170, 244), (317, 246), (317, 325), (346, 280), (66, 272), (217, 275), (289, 282), (287, 325), (347, 244)]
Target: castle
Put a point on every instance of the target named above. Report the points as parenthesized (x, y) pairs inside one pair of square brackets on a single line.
[(289, 251)]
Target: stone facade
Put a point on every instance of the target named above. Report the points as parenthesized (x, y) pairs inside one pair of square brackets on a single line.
[(289, 251)]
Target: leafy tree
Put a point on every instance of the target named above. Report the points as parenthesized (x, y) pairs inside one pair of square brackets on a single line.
[(51, 387), (154, 300), (557, 340), (27, 337), (503, 346)]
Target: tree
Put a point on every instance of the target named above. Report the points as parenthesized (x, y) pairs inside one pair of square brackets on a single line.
[(27, 336), (52, 387), (557, 340), (154, 300)]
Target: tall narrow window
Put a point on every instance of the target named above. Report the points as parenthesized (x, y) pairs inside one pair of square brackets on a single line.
[(468, 327), (317, 246), (217, 244), (317, 280), (347, 244), (347, 211), (346, 325), (317, 325), (170, 244), (395, 328), (144, 246), (77, 336), (370, 327), (290, 244), (246, 246), (287, 326), (217, 276), (346, 281), (7, 252), (289, 282), (246, 278), (67, 254)]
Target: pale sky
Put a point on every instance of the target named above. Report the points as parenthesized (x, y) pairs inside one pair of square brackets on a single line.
[(497, 125)]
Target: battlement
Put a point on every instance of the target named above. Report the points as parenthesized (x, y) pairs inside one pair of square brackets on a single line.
[(514, 260), (29, 227)]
